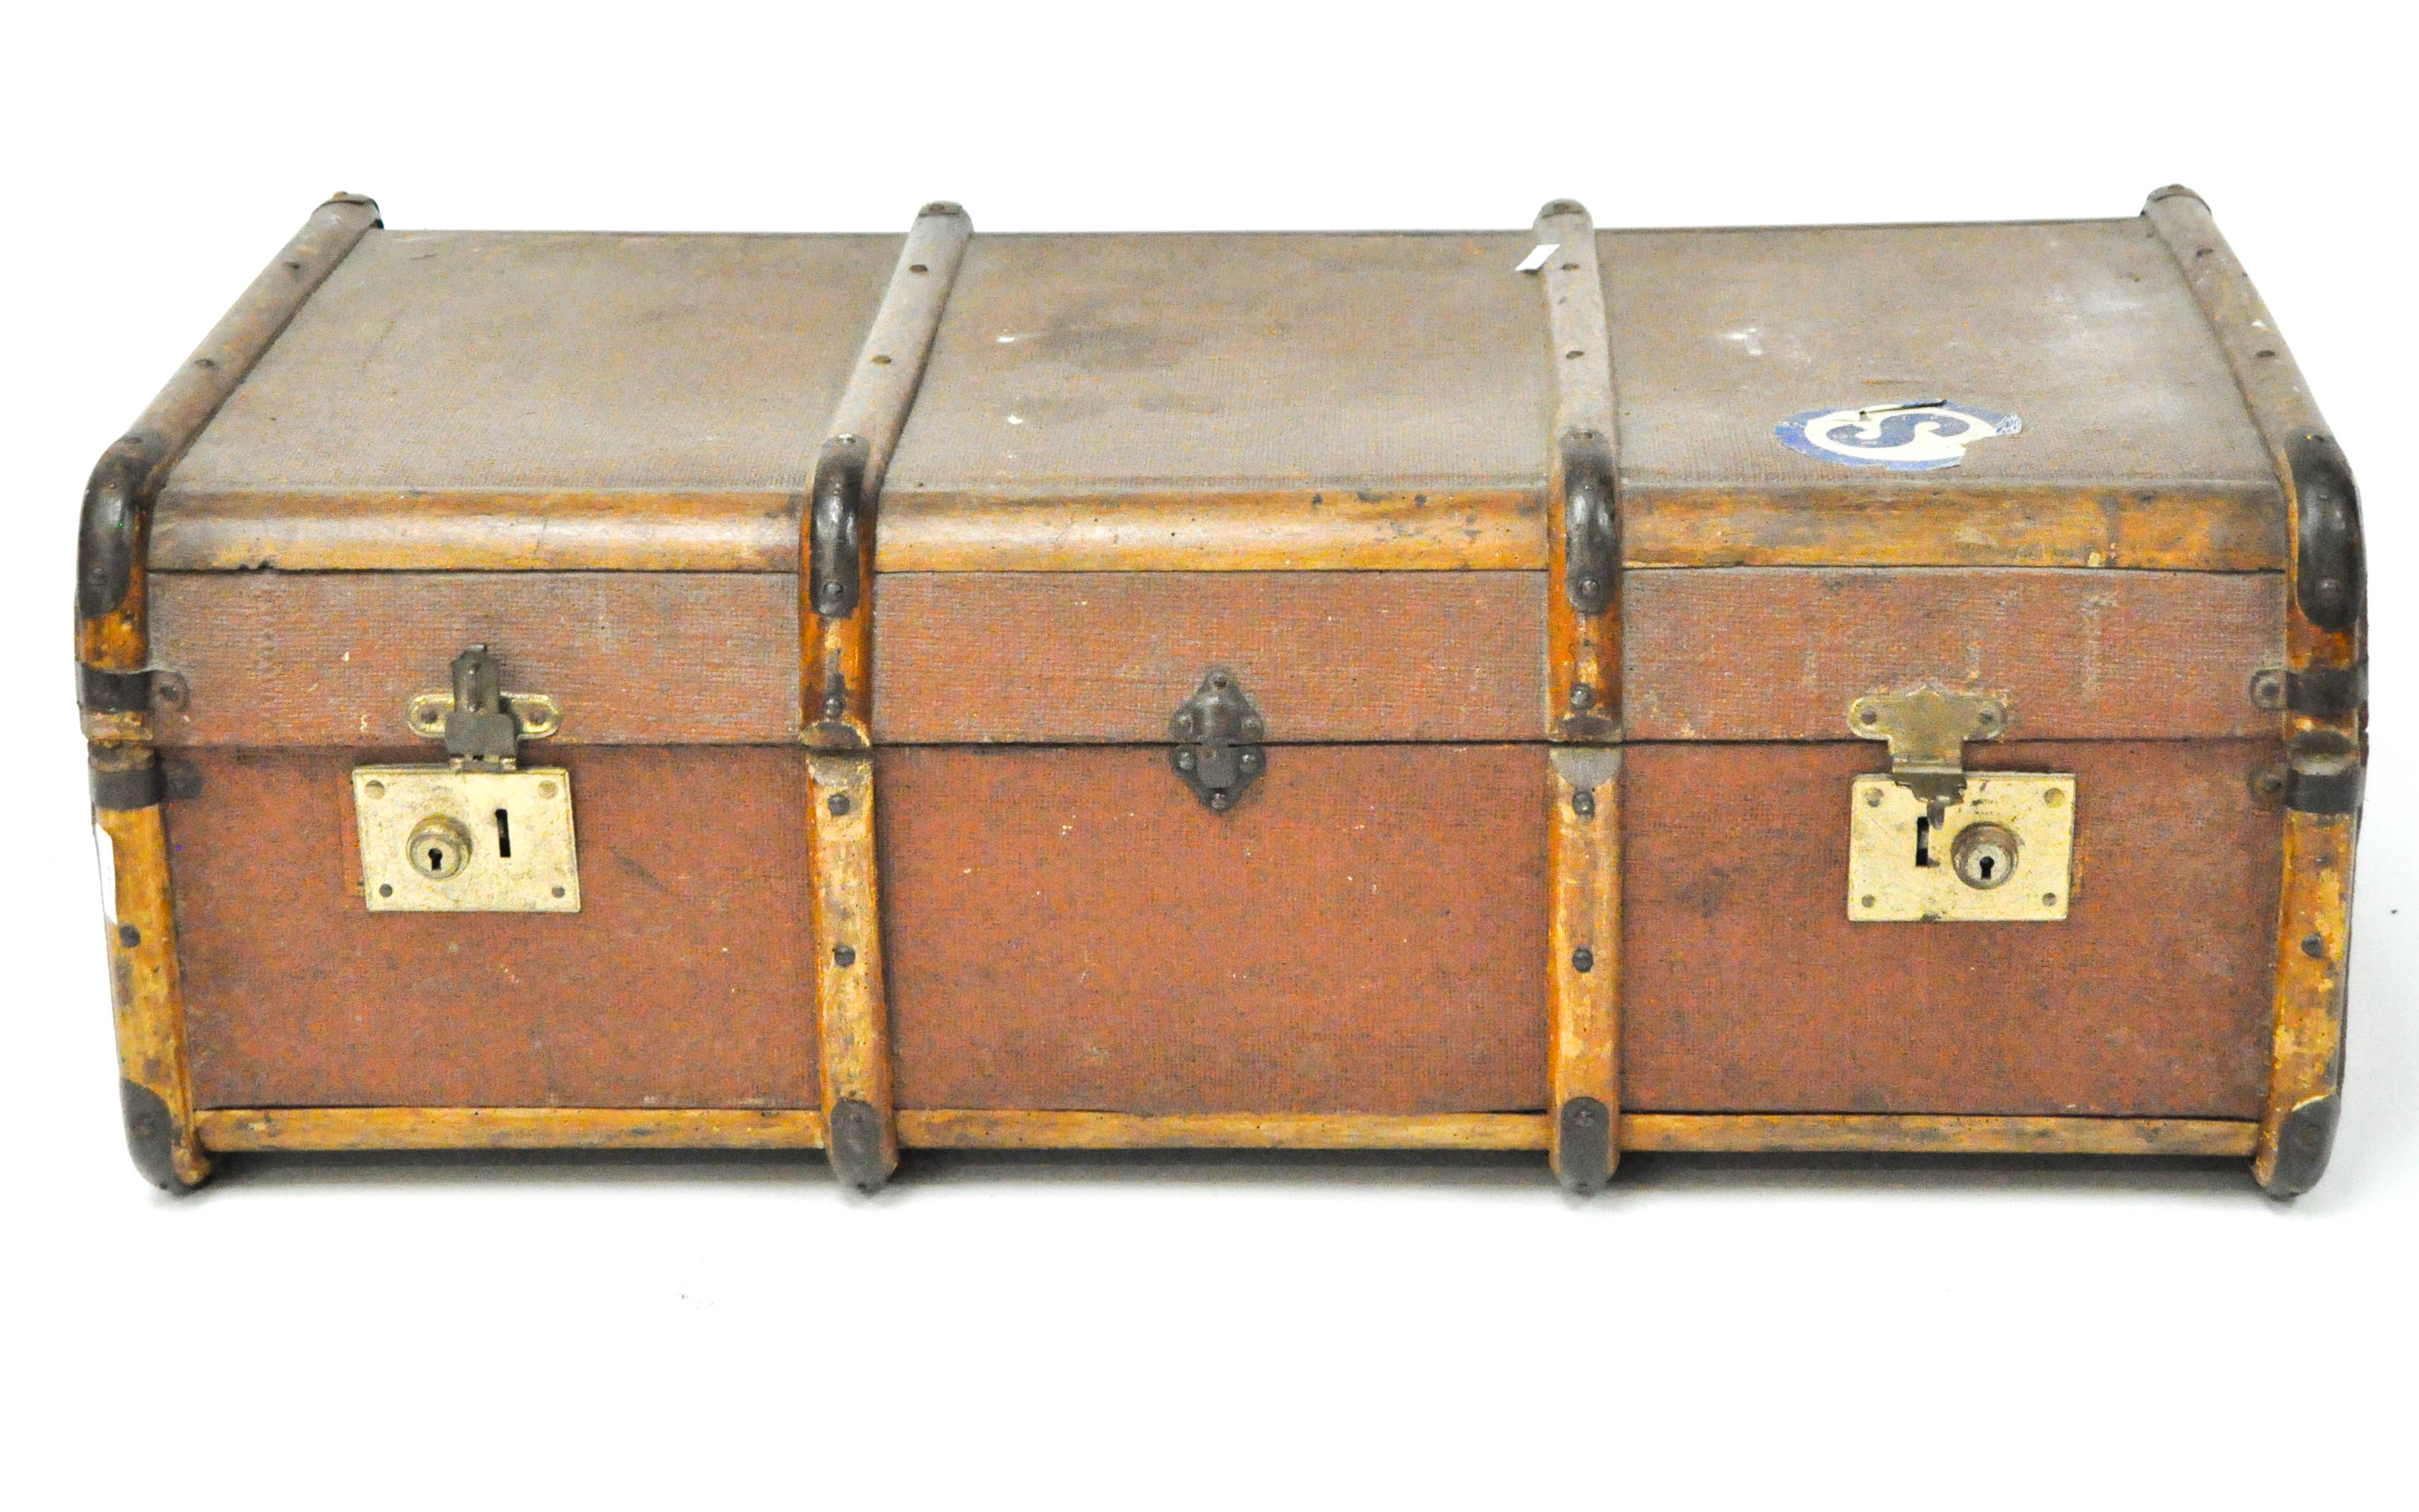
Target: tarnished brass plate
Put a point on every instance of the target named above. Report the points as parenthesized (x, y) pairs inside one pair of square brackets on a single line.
[(2005, 852), (435, 840)]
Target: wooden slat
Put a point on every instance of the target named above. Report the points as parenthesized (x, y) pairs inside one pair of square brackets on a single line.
[(1582, 650), (1747, 1133), (2075, 655), (2210, 528), (2313, 950), (1583, 967), (1108, 656), (1211, 528), (851, 1014), (146, 980), (835, 690), (996, 1129), (231, 1129)]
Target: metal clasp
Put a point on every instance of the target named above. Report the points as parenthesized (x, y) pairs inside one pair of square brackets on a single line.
[(1933, 842), (481, 724), (1218, 732)]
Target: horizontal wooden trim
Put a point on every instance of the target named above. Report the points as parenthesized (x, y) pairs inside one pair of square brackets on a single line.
[(1207, 529), (2212, 526), (2199, 527), (391, 530), (1963, 1135), (242, 1130), (989, 1129), (334, 1129)]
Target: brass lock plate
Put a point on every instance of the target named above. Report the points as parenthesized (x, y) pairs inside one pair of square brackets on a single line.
[(437, 841), (2004, 852)]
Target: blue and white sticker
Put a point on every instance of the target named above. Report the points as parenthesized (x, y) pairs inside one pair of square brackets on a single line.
[(1918, 436)]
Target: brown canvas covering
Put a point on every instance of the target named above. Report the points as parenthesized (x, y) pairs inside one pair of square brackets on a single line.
[(1327, 463)]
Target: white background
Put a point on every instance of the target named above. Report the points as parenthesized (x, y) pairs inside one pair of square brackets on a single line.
[(1292, 1333)]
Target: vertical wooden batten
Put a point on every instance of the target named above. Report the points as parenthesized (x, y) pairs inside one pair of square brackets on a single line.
[(2326, 696), (1583, 704), (1584, 986), (851, 1015), (155, 1082), (836, 661)]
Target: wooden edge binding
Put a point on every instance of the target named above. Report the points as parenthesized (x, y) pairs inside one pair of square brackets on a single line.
[(835, 553), (113, 635), (228, 1131), (2326, 715), (1584, 974), (852, 1017), (1583, 507), (147, 996), (237, 1130)]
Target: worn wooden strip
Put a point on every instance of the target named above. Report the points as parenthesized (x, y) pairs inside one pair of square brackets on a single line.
[(2218, 527), (475, 529), (2313, 950), (1071, 929), (335, 658), (1583, 645), (1928, 1133), (1095, 656), (1080, 527), (681, 982), (1583, 971), (851, 1013), (1746, 988), (1009, 1129), (1778, 654), (146, 989), (231, 1129), (115, 556), (835, 692)]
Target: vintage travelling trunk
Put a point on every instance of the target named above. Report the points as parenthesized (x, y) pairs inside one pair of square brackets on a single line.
[(1840, 688)]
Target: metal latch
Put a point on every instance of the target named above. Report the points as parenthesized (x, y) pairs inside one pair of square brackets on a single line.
[(1218, 732), (1932, 840), (479, 833)]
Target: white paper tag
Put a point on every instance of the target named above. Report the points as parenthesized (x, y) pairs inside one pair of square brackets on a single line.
[(1539, 257), (108, 855)]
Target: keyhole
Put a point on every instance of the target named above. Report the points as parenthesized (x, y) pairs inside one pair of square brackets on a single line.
[(1984, 856), (1923, 842), (504, 834)]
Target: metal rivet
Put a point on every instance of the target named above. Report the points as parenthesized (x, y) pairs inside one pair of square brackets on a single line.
[(558, 891), (2054, 796), (386, 889), (1589, 585), (1582, 696), (546, 790), (1251, 725), (839, 803), (834, 706), (1185, 761), (1221, 799), (1250, 761), (2049, 900), (1870, 716), (2268, 690), (1872, 798), (1582, 960), (1866, 902), (844, 956), (129, 936), (1583, 1117), (2312, 947), (1583, 803), (374, 789)]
